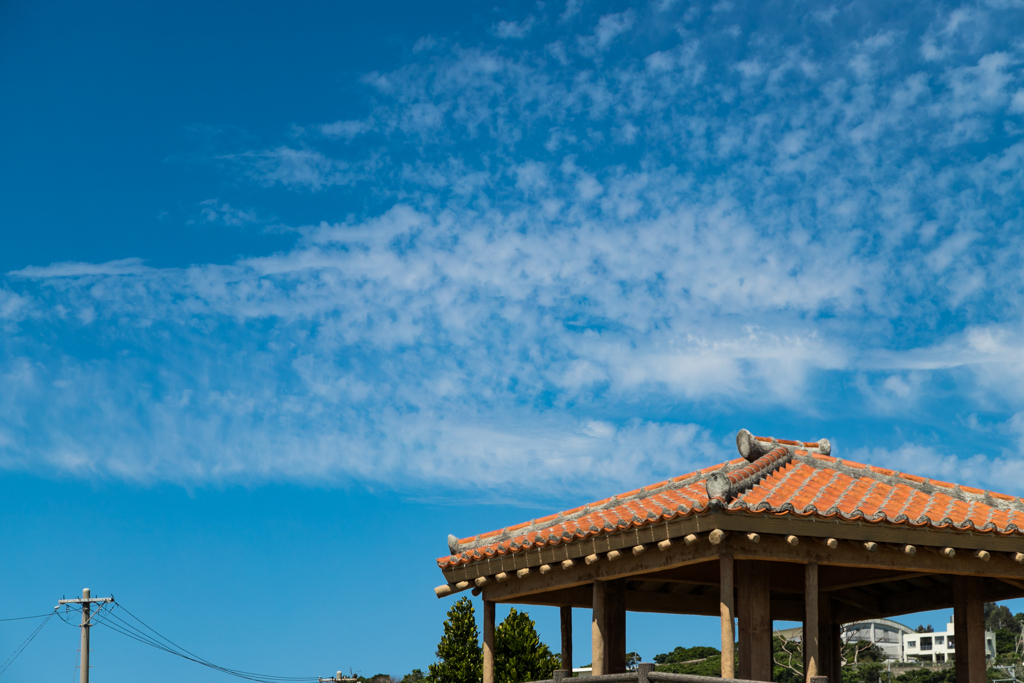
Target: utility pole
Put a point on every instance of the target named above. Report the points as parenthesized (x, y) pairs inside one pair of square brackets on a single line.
[(86, 602)]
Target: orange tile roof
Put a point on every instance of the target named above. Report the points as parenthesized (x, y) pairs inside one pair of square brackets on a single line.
[(775, 477)]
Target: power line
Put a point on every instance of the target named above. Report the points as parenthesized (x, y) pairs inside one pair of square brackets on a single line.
[(37, 616), (21, 648), (160, 642)]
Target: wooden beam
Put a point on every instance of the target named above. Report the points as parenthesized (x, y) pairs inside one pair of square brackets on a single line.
[(850, 555), (812, 638), (565, 614), (856, 606), (969, 625), (859, 599), (743, 523), (657, 603), (831, 582), (679, 555), (727, 613), (1014, 583)]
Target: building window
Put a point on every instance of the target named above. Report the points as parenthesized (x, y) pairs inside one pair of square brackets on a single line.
[(911, 643), (938, 640), (940, 657), (926, 643), (949, 642)]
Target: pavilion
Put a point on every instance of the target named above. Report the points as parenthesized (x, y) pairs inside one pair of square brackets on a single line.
[(785, 532)]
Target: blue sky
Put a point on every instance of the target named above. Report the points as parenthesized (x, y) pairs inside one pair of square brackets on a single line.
[(289, 293)]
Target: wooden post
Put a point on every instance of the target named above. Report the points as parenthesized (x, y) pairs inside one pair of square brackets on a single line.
[(969, 629), (488, 642), (609, 627), (753, 594), (836, 636), (565, 611), (742, 576), (598, 624), (615, 613), (812, 637), (726, 569), (826, 645)]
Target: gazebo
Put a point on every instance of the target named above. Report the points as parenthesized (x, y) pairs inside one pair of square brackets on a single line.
[(785, 532)]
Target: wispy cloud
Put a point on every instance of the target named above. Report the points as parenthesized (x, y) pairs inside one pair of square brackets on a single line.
[(75, 269), (568, 248)]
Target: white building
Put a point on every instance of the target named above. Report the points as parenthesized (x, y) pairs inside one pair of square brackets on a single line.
[(939, 646), (886, 634)]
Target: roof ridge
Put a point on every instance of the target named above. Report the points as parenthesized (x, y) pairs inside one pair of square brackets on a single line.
[(469, 543)]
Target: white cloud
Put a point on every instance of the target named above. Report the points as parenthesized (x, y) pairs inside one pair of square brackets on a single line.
[(216, 211), (74, 269), (609, 27), (539, 252), (347, 130), (295, 168), (12, 306), (514, 30), (1017, 103)]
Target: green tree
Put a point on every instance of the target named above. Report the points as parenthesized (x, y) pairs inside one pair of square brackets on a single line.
[(865, 672), (518, 653), (415, 676), (788, 659), (459, 653), (864, 651), (928, 676), (999, 618)]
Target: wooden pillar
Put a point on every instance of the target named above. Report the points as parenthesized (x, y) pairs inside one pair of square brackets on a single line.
[(616, 615), (812, 633), (826, 646), (598, 626), (969, 629), (754, 611), (566, 617), (836, 637), (488, 642), (608, 629), (726, 569)]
